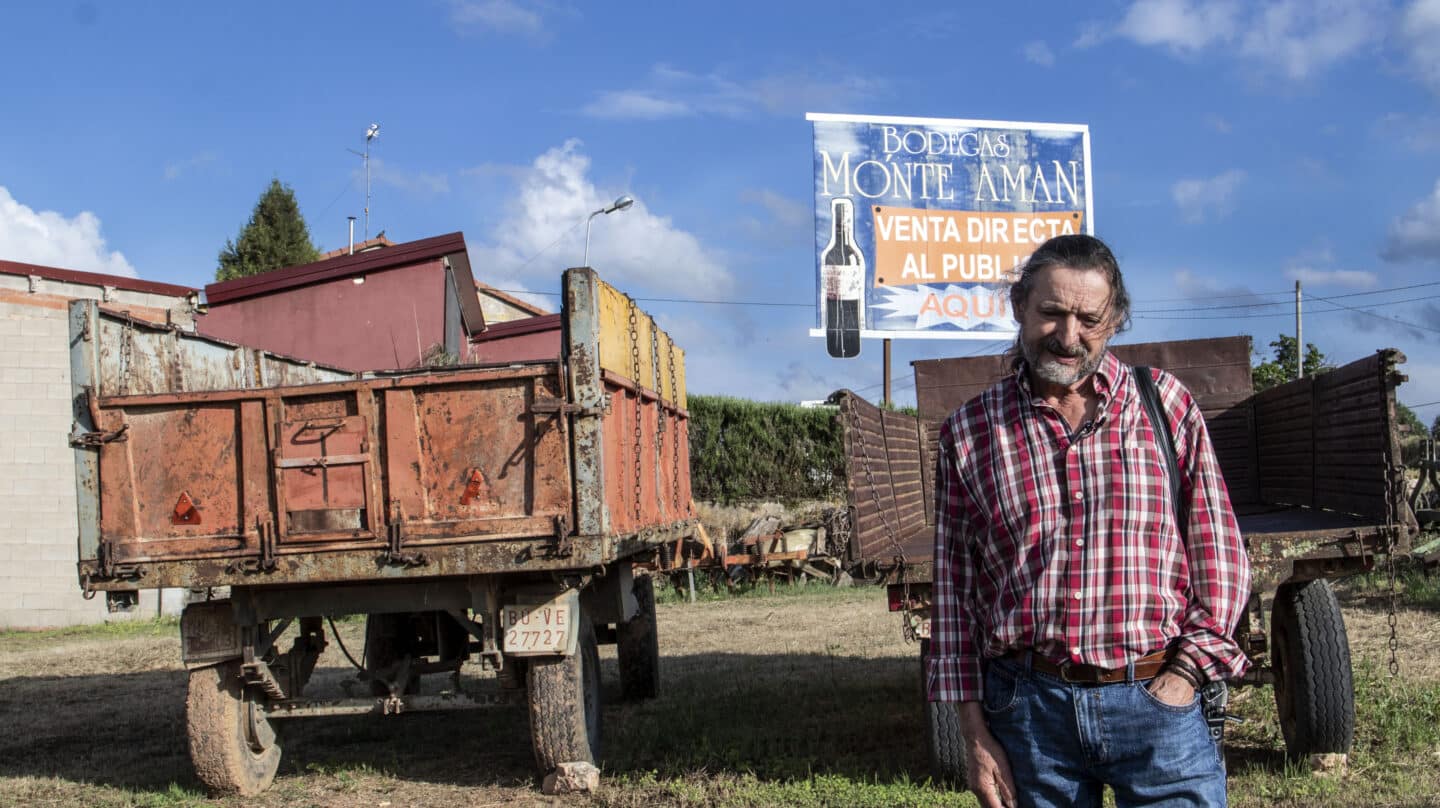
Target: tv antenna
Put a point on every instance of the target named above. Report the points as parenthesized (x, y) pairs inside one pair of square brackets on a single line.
[(370, 134)]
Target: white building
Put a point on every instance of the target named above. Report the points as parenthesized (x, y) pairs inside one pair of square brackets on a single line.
[(38, 582)]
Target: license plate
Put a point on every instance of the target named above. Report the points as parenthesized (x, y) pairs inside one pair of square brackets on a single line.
[(533, 629), (922, 628)]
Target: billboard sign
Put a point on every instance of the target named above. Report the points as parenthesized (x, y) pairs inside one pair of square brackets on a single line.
[(919, 221)]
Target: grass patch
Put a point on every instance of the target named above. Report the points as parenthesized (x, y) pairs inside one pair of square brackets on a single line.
[(165, 626), (1415, 586)]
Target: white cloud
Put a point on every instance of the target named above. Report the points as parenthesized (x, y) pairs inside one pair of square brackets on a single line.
[(419, 183), (1199, 199), (671, 93), (1294, 39), (1420, 33), (636, 249), (1037, 52), (1418, 133), (1356, 278), (1179, 25), (635, 105), (50, 239), (1303, 37), (177, 168), (783, 210), (1415, 234), (499, 16)]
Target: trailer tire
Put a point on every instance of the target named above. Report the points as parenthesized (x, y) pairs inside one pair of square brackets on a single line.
[(387, 641), (942, 720), (565, 704), (233, 748), (1314, 685), (637, 645)]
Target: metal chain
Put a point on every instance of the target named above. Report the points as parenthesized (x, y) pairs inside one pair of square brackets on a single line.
[(659, 407), (639, 407), (1390, 541), (674, 444), (127, 354)]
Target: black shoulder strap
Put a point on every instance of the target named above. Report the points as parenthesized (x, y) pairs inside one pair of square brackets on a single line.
[(1150, 397)]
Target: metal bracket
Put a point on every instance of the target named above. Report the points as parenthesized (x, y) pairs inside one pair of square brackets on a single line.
[(100, 438), (265, 529), (564, 545), (395, 532)]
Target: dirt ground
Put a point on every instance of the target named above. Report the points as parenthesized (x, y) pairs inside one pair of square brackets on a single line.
[(777, 688)]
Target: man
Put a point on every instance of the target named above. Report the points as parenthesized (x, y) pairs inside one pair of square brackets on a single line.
[(1074, 621)]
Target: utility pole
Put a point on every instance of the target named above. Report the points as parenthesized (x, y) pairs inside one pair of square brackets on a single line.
[(1299, 338)]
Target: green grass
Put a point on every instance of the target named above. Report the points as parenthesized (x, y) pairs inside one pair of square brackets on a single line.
[(115, 629), (1415, 587)]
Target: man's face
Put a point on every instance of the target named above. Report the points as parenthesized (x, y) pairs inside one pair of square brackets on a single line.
[(1065, 325)]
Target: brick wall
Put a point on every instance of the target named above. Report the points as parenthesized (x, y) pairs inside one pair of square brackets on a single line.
[(38, 584)]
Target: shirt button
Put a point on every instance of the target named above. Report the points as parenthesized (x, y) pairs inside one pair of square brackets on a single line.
[(1079, 542), (1079, 495), (1075, 652), (1076, 595)]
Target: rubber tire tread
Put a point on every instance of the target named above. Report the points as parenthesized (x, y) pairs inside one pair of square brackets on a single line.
[(1319, 681), (563, 727), (214, 726), (637, 646), (942, 722)]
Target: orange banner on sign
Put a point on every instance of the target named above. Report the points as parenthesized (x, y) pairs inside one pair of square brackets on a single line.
[(916, 245)]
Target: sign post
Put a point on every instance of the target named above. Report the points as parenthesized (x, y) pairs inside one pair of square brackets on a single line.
[(919, 222)]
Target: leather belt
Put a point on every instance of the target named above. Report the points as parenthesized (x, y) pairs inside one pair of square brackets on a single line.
[(1146, 667)]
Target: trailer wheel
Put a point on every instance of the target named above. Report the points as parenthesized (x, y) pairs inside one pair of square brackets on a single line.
[(1314, 689), (389, 638), (942, 719), (565, 704), (638, 646), (232, 744)]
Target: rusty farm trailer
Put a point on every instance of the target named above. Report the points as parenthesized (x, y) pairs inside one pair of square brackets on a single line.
[(1313, 468), (488, 514)]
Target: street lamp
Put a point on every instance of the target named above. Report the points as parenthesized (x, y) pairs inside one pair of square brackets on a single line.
[(620, 203)]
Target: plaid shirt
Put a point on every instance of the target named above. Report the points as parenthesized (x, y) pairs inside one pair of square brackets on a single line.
[(1067, 544)]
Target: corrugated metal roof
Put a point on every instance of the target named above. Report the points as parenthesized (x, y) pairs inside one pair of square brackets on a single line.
[(450, 246), (95, 279)]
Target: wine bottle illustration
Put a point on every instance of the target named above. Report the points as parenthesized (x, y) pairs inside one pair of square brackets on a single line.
[(842, 279)]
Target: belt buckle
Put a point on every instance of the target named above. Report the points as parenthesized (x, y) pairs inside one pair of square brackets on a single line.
[(1065, 673)]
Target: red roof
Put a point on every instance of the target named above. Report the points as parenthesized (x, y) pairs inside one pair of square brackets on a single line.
[(514, 328), (450, 246), (95, 279), (373, 244)]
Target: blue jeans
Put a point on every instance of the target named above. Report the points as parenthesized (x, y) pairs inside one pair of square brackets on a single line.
[(1066, 741)]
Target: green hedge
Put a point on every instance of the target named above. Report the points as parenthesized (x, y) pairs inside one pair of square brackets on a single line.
[(744, 451)]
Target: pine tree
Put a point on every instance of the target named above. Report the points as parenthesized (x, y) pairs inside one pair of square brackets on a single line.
[(275, 237)]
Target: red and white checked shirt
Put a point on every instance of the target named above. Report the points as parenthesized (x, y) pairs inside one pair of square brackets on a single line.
[(1068, 544)]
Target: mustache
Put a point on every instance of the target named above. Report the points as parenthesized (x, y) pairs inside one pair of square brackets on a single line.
[(1076, 351)]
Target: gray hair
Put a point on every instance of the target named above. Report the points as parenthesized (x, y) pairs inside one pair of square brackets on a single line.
[(1076, 252)]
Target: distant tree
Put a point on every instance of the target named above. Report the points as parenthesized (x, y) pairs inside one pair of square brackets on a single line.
[(1282, 368), (1435, 428), (1410, 424), (275, 237)]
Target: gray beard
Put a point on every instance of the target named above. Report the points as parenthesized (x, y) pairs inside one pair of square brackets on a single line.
[(1056, 373)]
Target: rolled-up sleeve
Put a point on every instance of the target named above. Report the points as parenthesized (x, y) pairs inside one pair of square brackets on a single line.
[(953, 669)]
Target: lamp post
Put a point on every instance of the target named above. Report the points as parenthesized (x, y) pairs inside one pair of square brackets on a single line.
[(620, 203)]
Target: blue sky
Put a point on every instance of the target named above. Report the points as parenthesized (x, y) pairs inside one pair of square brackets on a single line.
[(1236, 147)]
